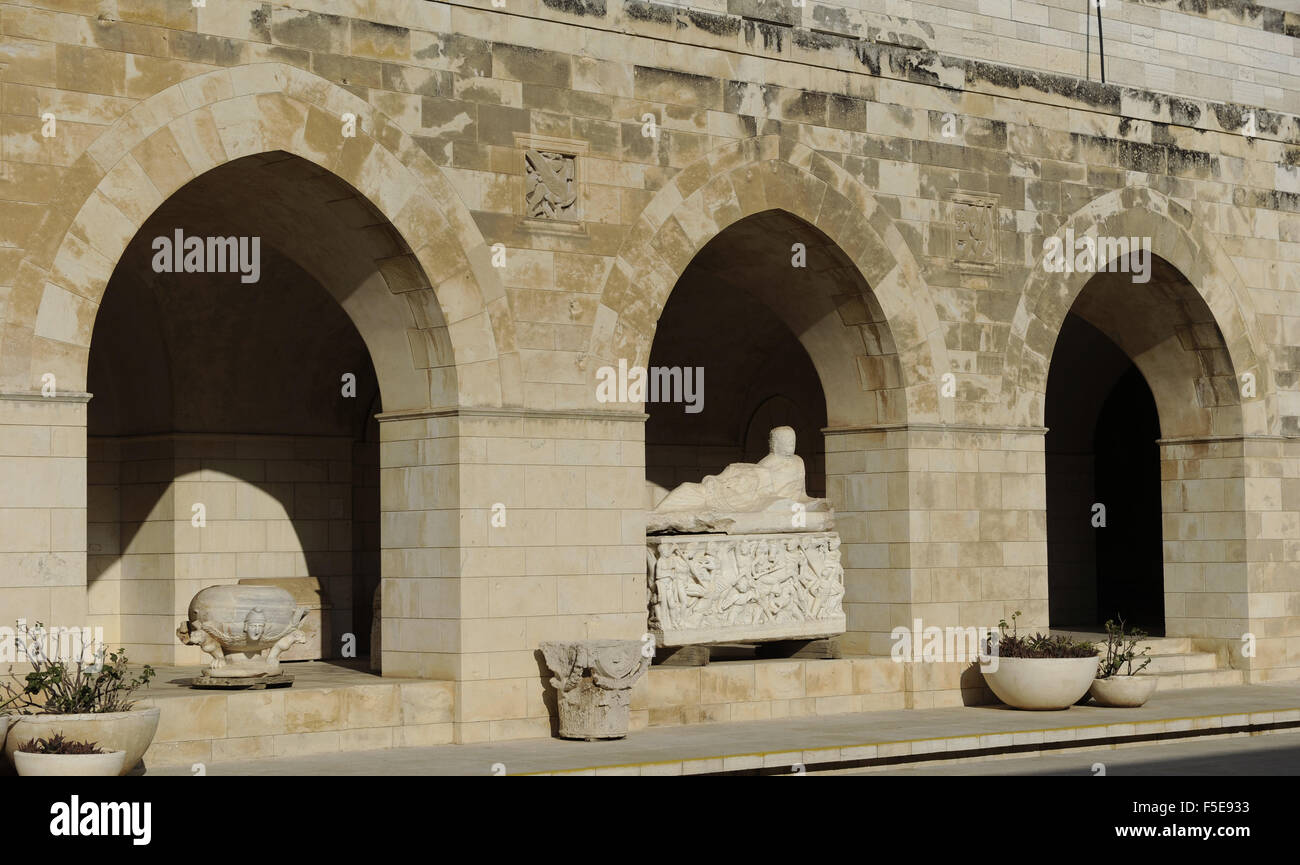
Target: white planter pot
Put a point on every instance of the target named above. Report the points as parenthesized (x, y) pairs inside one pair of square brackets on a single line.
[(66, 765), (1122, 692), (131, 732), (1042, 683)]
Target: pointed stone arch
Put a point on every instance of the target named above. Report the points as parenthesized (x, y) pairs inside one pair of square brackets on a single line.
[(739, 180), (1199, 258), (456, 318)]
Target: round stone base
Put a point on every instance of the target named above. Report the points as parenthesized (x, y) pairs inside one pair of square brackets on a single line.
[(248, 683)]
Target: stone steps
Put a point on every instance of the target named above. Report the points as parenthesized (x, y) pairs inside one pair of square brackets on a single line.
[(1188, 662), (1199, 679), (1174, 663)]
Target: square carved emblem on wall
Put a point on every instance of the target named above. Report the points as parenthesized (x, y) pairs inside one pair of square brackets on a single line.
[(552, 182), (973, 223)]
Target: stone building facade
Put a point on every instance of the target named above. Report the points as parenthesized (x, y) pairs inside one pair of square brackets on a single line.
[(467, 210)]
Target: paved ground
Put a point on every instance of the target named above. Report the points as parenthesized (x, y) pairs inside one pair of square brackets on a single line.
[(722, 747), (1273, 754)]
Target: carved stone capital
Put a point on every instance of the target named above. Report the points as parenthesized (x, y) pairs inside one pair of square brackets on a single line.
[(593, 681)]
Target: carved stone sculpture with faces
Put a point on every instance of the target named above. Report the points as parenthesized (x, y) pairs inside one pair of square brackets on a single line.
[(245, 628)]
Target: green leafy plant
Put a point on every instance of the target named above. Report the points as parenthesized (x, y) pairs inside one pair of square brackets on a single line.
[(1038, 646), (1121, 651), (56, 744), (56, 687)]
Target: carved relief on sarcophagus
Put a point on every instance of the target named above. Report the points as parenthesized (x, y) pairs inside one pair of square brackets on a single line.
[(719, 588)]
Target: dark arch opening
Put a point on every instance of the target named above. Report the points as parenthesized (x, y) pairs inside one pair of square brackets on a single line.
[(1101, 450), (1134, 363)]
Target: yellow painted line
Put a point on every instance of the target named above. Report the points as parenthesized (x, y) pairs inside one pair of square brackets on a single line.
[(763, 754)]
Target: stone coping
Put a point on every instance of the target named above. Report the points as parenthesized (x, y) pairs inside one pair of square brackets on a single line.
[(842, 741)]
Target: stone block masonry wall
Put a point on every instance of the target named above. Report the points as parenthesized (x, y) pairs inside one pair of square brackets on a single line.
[(1272, 492), (365, 537), (419, 527), (568, 563), (1204, 489), (43, 510), (208, 726), (979, 526), (1234, 52), (866, 481), (948, 526)]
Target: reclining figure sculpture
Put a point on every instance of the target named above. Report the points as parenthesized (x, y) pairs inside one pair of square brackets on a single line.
[(747, 498)]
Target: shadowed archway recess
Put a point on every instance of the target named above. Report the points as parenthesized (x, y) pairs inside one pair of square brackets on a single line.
[(230, 434), (1103, 466), (786, 332), (1136, 366), (733, 320)]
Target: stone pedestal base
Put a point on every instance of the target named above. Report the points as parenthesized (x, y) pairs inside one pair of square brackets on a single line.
[(253, 683)]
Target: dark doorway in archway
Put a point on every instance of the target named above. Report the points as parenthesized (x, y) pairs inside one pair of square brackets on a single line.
[(1130, 557), (1101, 450)]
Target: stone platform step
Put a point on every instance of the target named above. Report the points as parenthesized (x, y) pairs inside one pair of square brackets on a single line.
[(332, 706), (1084, 730), (1174, 662), (789, 746), (1199, 679), (1157, 645), (1187, 662)]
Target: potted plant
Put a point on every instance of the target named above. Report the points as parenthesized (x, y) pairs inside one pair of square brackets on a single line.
[(86, 701), (1038, 672), (1118, 684), (60, 757)]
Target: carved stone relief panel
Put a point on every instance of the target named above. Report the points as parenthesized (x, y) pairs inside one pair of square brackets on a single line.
[(974, 227)]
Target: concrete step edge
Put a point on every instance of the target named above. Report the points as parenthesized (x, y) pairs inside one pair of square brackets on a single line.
[(915, 751)]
